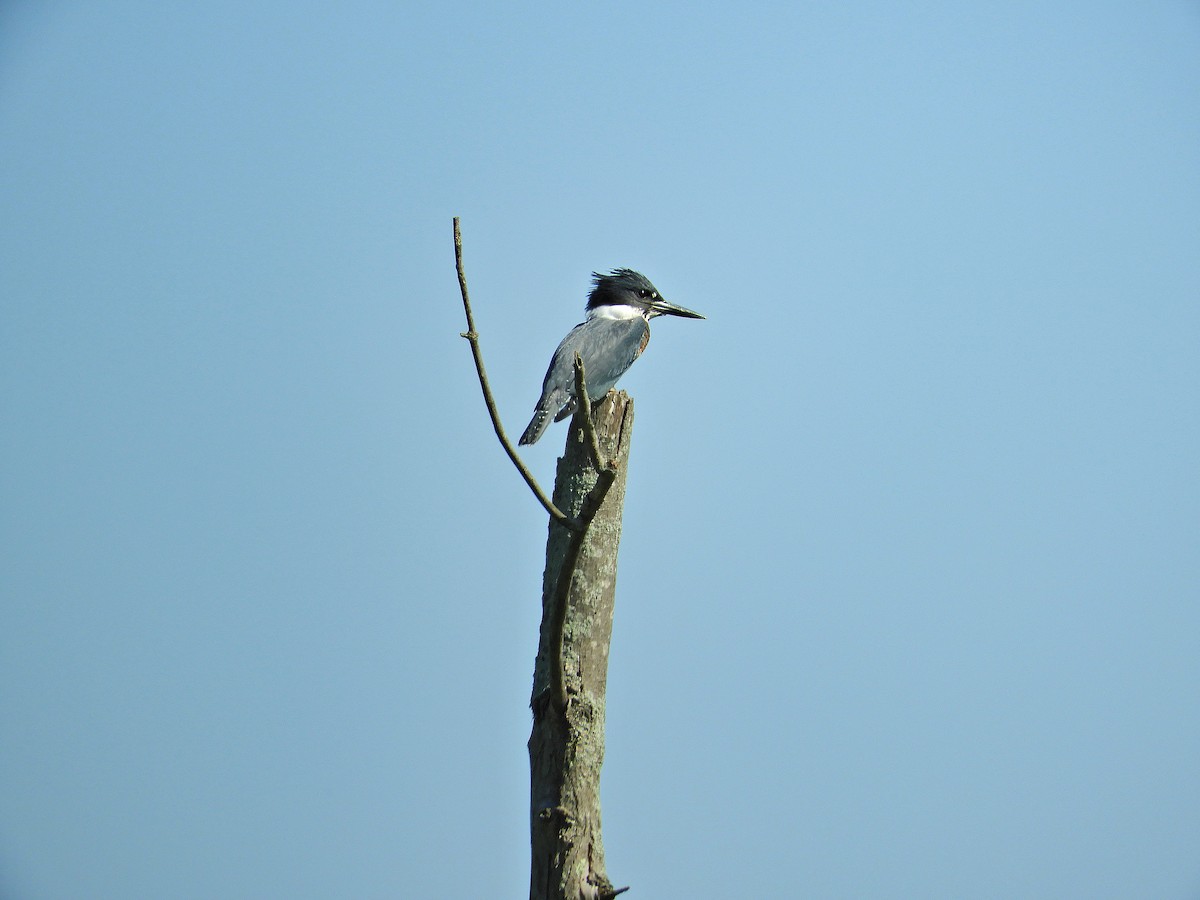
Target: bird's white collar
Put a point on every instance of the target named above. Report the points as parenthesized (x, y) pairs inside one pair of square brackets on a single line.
[(615, 312)]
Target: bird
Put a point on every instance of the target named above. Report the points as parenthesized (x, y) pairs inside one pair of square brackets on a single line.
[(614, 334)]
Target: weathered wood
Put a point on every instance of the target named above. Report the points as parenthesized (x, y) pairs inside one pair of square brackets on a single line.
[(566, 746)]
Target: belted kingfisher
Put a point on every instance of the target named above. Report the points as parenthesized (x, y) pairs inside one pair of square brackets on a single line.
[(615, 333)]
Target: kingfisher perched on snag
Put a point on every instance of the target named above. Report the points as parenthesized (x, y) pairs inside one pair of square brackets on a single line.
[(615, 333)]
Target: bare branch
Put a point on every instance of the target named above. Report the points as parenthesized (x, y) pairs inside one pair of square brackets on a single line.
[(473, 337), (606, 472), (583, 409)]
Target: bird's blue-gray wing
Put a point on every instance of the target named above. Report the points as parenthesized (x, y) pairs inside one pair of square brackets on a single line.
[(608, 348)]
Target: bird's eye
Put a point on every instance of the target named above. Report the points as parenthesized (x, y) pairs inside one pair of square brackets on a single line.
[(646, 294)]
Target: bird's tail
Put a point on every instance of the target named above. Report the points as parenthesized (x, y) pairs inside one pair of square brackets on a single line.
[(537, 426)]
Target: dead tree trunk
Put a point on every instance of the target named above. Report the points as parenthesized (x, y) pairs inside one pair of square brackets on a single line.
[(566, 747)]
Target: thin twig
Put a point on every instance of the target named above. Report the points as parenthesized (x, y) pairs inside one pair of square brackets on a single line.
[(583, 408), (473, 337), (606, 475)]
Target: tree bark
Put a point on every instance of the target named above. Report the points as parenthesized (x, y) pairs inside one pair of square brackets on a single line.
[(566, 746)]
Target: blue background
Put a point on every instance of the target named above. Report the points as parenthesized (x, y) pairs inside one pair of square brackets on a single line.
[(908, 595)]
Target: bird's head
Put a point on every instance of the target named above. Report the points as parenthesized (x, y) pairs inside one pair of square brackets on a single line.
[(625, 287)]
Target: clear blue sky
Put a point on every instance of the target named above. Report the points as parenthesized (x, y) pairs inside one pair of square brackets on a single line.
[(909, 594)]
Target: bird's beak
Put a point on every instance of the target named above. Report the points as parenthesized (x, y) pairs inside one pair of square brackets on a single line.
[(662, 307)]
